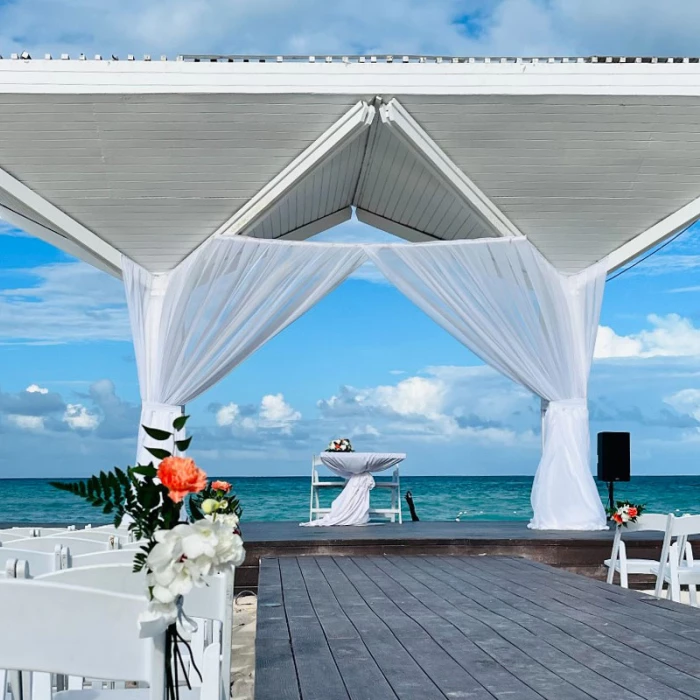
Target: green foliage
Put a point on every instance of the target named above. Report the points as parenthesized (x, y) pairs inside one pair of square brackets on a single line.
[(195, 502), (137, 493)]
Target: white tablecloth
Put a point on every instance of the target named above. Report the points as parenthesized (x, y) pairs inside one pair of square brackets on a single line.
[(351, 507)]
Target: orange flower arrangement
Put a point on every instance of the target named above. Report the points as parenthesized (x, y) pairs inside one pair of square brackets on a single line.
[(223, 486), (180, 475)]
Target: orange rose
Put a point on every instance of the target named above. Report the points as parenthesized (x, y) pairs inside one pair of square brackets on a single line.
[(180, 475), (221, 486), (632, 512), (617, 518)]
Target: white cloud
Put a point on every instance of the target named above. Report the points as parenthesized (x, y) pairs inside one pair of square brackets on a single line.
[(686, 401), (227, 415), (470, 27), (79, 418), (60, 303), (27, 422), (275, 412), (450, 403), (412, 396), (670, 336), (36, 389)]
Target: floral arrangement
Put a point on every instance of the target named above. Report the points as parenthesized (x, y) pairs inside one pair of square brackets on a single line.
[(340, 445), (178, 550), (625, 512)]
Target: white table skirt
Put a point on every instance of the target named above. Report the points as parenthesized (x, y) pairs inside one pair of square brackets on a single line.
[(351, 507)]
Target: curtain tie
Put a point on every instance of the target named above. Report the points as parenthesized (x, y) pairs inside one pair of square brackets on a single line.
[(155, 406)]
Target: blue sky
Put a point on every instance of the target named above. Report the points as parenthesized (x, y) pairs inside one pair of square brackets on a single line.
[(364, 362)]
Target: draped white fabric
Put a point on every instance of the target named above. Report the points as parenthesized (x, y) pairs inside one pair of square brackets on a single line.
[(195, 324), (351, 507), (507, 304)]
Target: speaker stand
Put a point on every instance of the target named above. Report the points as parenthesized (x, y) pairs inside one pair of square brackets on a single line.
[(611, 495)]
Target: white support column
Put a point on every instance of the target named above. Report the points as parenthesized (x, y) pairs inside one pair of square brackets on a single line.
[(395, 117), (154, 413), (346, 129)]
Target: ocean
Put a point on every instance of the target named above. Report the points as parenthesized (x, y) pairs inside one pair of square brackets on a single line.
[(287, 498)]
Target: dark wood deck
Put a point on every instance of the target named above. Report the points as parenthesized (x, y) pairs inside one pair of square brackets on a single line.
[(438, 628), (581, 552)]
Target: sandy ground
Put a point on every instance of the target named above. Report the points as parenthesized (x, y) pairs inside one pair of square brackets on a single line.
[(243, 646)]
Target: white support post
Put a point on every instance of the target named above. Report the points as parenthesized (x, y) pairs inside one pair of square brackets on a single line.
[(346, 129), (395, 117), (83, 242)]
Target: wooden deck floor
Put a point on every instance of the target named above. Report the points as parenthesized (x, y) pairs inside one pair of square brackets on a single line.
[(436, 628)]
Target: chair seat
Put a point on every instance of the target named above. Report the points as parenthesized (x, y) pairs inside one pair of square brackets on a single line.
[(686, 574), (118, 694), (637, 566)]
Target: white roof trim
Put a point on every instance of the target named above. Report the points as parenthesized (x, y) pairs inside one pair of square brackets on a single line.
[(665, 228), (393, 227), (318, 226), (522, 77), (83, 242), (348, 127), (395, 117), (59, 241)]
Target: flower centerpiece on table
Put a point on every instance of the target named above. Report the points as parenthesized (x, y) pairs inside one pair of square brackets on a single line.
[(625, 512), (340, 445), (178, 549)]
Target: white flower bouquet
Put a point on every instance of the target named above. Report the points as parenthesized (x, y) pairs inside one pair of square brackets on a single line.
[(340, 445)]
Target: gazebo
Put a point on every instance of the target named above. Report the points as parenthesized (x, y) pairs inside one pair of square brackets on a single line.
[(519, 183)]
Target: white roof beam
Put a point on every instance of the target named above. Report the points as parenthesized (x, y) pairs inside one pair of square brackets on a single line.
[(318, 226), (69, 235), (392, 227), (346, 129), (402, 124), (657, 233)]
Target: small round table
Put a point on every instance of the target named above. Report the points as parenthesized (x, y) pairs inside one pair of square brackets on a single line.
[(351, 507)]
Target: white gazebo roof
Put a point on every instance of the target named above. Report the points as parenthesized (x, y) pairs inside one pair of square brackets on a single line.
[(586, 157)]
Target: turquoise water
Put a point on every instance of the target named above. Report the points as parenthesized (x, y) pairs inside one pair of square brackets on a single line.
[(287, 498)]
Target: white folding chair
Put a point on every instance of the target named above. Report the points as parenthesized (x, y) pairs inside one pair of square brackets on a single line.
[(678, 567), (89, 633), (211, 602), (619, 562)]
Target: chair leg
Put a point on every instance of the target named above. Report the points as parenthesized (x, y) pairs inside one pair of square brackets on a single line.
[(693, 595), (624, 582)]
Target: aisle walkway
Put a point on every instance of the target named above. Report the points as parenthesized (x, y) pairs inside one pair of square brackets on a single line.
[(432, 628)]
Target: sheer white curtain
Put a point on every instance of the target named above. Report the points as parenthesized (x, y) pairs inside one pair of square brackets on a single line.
[(507, 304), (195, 324)]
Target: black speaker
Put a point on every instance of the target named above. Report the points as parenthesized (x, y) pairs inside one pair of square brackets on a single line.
[(614, 456)]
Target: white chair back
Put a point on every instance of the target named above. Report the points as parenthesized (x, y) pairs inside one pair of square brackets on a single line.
[(117, 556), (48, 544), (208, 602), (111, 539), (38, 562), (78, 631)]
